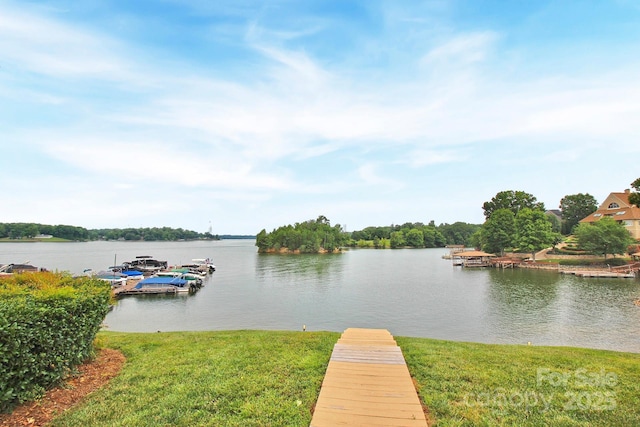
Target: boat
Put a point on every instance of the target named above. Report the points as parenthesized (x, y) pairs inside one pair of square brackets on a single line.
[(9, 269), (159, 284), (113, 277), (133, 274), (145, 264), (183, 273), (203, 265)]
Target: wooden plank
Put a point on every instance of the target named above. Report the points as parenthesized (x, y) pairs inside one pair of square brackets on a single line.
[(332, 419), (367, 383)]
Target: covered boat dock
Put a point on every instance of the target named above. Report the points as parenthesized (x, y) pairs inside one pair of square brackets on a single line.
[(475, 258)]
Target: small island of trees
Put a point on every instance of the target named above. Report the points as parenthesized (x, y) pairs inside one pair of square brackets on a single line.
[(313, 236)]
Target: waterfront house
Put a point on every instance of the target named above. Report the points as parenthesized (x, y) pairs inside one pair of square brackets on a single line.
[(617, 206)]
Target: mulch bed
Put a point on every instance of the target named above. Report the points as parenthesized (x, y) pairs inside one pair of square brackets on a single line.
[(91, 376)]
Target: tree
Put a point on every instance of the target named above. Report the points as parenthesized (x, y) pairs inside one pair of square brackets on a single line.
[(533, 231), (477, 239), (634, 197), (31, 230), (397, 239), (512, 200), (458, 233), (576, 207), (605, 236), (556, 223), (415, 238), (499, 231), (263, 242)]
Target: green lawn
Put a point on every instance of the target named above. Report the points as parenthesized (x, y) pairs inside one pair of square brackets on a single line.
[(30, 239), (261, 378)]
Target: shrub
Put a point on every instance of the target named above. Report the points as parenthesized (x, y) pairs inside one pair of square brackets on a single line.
[(594, 262), (569, 251), (47, 325), (615, 261), (577, 262)]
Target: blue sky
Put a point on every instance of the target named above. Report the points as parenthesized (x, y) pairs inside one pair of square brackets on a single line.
[(246, 115)]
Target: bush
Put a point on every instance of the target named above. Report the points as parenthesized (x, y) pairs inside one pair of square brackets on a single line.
[(47, 325), (613, 262), (578, 262), (594, 262)]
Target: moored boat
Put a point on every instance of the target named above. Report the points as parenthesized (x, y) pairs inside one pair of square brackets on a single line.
[(8, 269), (203, 265), (113, 277), (145, 264), (158, 284)]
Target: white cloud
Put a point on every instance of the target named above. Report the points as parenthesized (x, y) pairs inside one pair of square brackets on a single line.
[(462, 49), (421, 157), (43, 46), (156, 161)]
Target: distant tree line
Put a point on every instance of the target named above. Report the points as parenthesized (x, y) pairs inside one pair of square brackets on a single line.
[(312, 236), (416, 235), (22, 230)]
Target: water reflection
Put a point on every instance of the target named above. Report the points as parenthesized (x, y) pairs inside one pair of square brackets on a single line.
[(520, 291), (298, 270), (550, 309)]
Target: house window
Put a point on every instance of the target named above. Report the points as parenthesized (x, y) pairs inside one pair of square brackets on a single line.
[(613, 205), (620, 213)]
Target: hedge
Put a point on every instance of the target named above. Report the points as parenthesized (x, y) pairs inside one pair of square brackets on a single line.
[(612, 262), (48, 322)]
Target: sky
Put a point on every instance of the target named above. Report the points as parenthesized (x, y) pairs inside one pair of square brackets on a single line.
[(241, 115)]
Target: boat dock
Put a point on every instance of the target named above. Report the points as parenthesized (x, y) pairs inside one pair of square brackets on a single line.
[(367, 383), (599, 273)]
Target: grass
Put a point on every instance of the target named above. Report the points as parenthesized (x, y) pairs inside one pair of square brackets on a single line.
[(261, 378), (240, 378), (468, 384)]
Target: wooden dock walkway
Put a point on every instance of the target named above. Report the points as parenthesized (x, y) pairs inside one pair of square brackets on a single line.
[(367, 383)]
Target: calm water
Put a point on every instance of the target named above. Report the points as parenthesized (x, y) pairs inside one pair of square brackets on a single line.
[(410, 292)]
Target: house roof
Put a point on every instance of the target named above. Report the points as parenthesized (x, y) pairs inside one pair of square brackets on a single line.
[(619, 214), (624, 211), (473, 254)]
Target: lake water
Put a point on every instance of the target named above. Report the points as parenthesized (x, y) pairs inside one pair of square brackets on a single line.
[(411, 292)]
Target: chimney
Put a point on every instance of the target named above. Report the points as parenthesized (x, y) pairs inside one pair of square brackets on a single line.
[(627, 190)]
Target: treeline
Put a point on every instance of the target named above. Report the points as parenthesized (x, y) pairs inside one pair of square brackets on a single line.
[(417, 235), (312, 236), (21, 230), (318, 235), (166, 234), (516, 221)]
